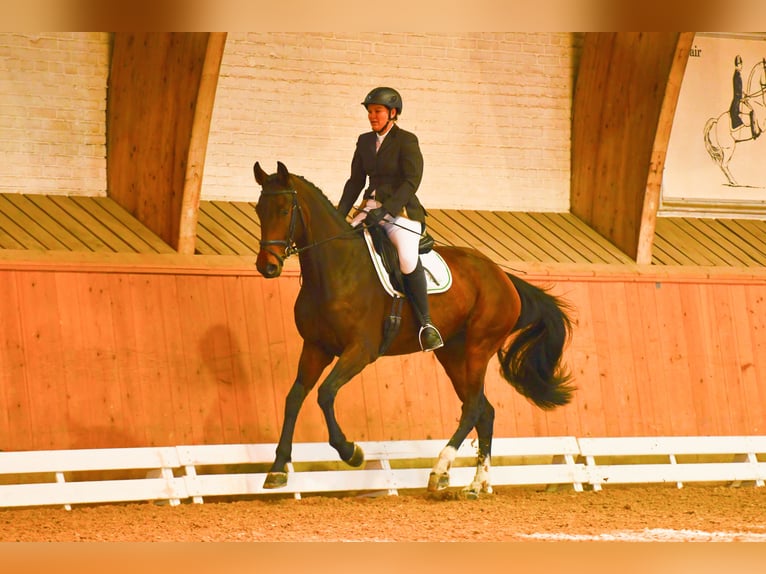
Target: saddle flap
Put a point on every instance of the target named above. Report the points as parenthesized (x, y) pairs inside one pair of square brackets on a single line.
[(438, 274)]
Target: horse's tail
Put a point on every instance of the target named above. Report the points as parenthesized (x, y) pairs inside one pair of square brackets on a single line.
[(713, 150), (531, 362)]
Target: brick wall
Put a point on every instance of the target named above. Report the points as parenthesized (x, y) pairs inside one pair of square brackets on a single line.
[(52, 112), (492, 112)]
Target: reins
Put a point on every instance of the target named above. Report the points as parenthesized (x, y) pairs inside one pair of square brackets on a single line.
[(289, 243)]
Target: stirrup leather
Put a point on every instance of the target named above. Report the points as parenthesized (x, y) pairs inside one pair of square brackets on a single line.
[(420, 337)]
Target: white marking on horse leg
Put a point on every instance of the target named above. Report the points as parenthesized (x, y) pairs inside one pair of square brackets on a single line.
[(481, 480), (445, 460)]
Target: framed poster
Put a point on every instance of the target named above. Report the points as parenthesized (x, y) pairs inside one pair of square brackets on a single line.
[(716, 159)]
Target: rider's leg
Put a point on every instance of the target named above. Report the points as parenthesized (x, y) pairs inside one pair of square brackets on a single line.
[(405, 235)]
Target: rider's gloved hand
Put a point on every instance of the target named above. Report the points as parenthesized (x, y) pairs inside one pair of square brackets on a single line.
[(375, 216)]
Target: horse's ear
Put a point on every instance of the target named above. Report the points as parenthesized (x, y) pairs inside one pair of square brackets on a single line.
[(260, 175), (284, 175)]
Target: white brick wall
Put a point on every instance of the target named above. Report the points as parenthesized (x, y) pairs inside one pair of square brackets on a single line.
[(52, 112), (492, 112)]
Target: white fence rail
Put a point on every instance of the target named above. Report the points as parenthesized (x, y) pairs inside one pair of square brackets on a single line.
[(191, 473)]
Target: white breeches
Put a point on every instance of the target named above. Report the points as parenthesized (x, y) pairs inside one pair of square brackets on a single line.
[(404, 233)]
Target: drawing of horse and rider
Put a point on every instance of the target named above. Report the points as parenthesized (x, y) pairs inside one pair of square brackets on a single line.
[(744, 120)]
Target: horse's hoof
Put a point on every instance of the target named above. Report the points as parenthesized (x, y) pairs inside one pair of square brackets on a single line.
[(471, 494), (275, 480), (357, 458), (438, 482)]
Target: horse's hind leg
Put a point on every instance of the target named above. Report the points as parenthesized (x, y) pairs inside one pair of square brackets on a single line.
[(484, 430), (312, 362), (466, 371)]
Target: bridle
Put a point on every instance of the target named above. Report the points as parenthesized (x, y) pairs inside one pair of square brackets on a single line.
[(289, 243)]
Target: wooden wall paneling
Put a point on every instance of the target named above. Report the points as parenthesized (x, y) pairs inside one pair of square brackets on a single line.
[(656, 326), (751, 366), (673, 347), (283, 371), (611, 368), (756, 306), (409, 406), (46, 377), (730, 389), (387, 395), (196, 334), (135, 394), (588, 117), (427, 414), (179, 363), (153, 95), (242, 416), (619, 94), (245, 392), (221, 356), (153, 372), (16, 424), (642, 325), (702, 366), (267, 402), (622, 325), (97, 416)]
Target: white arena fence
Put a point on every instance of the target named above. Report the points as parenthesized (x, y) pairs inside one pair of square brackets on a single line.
[(176, 474)]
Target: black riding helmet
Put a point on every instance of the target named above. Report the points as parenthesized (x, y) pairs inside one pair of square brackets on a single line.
[(388, 97)]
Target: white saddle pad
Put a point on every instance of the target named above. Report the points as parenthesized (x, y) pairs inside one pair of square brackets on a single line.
[(438, 275)]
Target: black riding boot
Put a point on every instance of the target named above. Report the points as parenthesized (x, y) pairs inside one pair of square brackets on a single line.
[(415, 288)]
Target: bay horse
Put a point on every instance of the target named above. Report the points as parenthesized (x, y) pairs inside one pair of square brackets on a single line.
[(341, 306)]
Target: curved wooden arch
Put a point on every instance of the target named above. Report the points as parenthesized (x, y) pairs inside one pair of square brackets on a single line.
[(625, 99), (160, 100)]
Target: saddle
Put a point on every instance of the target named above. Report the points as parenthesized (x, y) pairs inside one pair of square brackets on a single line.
[(386, 262), (385, 259)]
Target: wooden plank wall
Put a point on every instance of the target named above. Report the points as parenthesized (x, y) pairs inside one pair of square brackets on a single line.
[(95, 355), (624, 100), (160, 99)]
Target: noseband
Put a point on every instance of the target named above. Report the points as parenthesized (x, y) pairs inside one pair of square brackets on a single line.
[(289, 243)]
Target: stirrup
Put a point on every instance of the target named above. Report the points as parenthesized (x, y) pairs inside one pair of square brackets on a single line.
[(433, 345)]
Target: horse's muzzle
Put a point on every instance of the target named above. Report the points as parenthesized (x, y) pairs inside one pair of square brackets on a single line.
[(266, 267)]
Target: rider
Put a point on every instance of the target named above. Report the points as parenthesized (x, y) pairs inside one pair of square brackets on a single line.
[(739, 103), (390, 157)]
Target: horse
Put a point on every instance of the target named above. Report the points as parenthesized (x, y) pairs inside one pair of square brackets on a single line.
[(718, 135), (341, 305)]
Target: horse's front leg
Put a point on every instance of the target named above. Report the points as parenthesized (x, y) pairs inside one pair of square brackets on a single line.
[(310, 366), (350, 363)]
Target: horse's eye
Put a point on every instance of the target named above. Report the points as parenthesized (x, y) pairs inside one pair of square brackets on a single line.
[(284, 212)]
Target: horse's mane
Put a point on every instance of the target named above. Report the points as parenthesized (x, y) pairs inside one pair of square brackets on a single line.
[(325, 201)]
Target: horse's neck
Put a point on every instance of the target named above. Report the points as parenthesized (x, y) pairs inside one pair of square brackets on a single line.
[(331, 252)]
